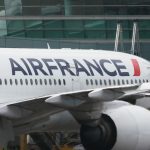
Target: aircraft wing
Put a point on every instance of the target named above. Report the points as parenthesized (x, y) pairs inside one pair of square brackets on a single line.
[(74, 99), (84, 105), (88, 105), (28, 107), (71, 100)]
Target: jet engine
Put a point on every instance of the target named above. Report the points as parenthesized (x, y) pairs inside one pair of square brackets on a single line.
[(122, 128)]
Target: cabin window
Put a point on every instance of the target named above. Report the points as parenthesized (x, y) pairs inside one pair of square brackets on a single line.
[(16, 81), (109, 82), (114, 82), (100, 82), (55, 82), (118, 82), (26, 81), (59, 82), (45, 81), (0, 81), (41, 82), (36, 82), (21, 81), (5, 81), (64, 82), (105, 83), (87, 82), (50, 82), (91, 82), (127, 81), (10, 81), (96, 83), (31, 81)]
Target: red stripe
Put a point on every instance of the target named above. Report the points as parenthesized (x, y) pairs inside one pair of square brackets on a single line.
[(136, 66)]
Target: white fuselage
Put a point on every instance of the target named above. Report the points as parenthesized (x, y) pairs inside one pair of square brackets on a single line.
[(29, 73)]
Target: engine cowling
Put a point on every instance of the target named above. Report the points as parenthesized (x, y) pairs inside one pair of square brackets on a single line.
[(122, 128)]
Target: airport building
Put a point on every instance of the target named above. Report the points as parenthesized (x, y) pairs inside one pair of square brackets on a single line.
[(74, 23)]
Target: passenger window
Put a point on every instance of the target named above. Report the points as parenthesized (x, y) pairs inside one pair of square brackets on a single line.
[(87, 82), (36, 82), (59, 81), (135, 81), (45, 81), (5, 81), (109, 82), (105, 83), (16, 81), (55, 82), (123, 82), (21, 81), (41, 82), (10, 81), (91, 82), (143, 81), (26, 81), (100, 81), (118, 82), (0, 81), (96, 83), (140, 81), (131, 81), (50, 82), (127, 81), (147, 80), (64, 82), (31, 81), (114, 82)]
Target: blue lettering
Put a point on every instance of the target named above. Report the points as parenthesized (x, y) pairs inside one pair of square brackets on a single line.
[(49, 67), (36, 65), (64, 65), (102, 63), (80, 68), (28, 69), (94, 66), (16, 67), (116, 67), (118, 64)]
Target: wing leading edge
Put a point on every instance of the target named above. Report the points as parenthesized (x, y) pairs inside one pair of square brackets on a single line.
[(73, 100)]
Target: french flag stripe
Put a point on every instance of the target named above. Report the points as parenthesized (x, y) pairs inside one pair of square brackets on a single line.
[(136, 66)]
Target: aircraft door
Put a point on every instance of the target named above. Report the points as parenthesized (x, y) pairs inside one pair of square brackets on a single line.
[(75, 80)]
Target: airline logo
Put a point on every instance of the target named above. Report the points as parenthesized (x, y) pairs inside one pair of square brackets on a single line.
[(137, 71), (110, 67)]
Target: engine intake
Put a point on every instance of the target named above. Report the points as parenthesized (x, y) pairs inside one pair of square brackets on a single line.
[(102, 137), (123, 128)]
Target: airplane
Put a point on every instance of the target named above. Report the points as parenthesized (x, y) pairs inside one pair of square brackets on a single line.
[(89, 91)]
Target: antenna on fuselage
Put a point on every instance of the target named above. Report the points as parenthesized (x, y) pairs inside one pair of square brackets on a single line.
[(48, 46)]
